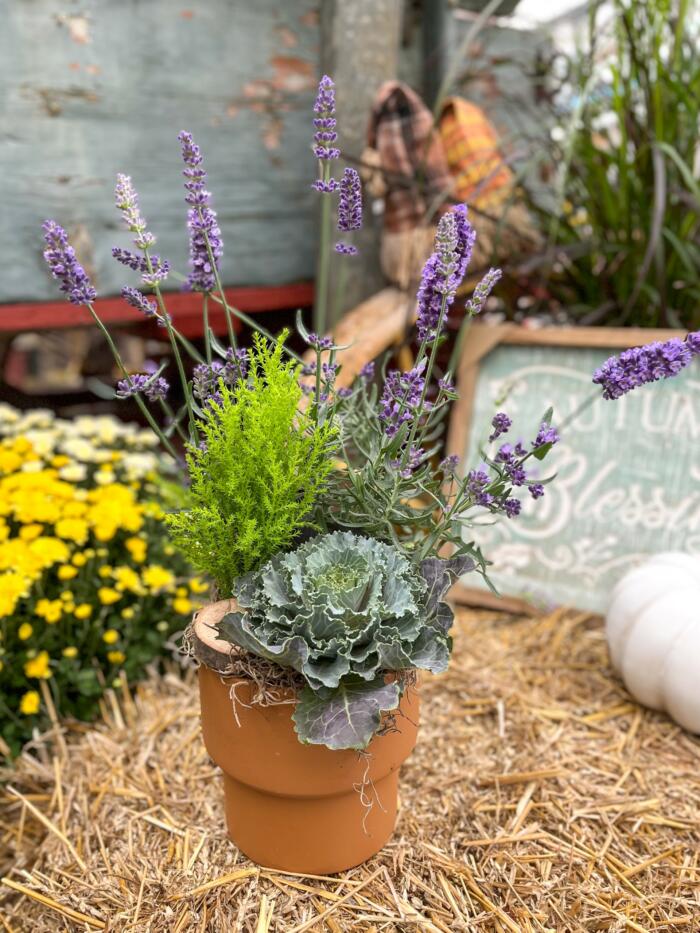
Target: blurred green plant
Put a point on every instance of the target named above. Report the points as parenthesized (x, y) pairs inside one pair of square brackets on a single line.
[(624, 232)]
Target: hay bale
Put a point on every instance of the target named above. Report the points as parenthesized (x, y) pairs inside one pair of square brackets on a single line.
[(539, 798)]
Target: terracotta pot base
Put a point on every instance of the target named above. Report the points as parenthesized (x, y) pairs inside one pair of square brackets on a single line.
[(290, 806), (293, 841)]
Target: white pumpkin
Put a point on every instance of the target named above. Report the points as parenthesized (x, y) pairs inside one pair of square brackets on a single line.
[(653, 631)]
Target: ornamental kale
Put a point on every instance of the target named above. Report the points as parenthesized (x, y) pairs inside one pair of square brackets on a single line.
[(344, 611)]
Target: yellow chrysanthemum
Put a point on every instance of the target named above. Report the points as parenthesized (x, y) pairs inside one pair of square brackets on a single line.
[(72, 529), (67, 572), (116, 657), (13, 586), (107, 595), (127, 613), (79, 560), (38, 666), (157, 578), (49, 609), (137, 549), (25, 631), (126, 578), (198, 585), (30, 703), (105, 571), (10, 461), (83, 611), (111, 636), (182, 606), (70, 652), (49, 551), (30, 532)]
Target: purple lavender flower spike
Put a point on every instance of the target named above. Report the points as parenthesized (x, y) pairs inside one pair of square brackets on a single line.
[(325, 123), (505, 453), (512, 507), (350, 202), (477, 481), (206, 377), (153, 389), (693, 341), (65, 268), (127, 202), (346, 249), (153, 269), (318, 343), (482, 291), (325, 187), (401, 397), (201, 220), (536, 490), (466, 238), (444, 271), (641, 365), (139, 301), (236, 366), (449, 465), (500, 423), (546, 435), (367, 371), (128, 259)]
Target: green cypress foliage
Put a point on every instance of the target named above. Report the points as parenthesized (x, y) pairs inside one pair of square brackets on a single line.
[(256, 478)]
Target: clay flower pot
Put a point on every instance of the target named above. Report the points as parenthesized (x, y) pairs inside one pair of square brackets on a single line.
[(300, 808)]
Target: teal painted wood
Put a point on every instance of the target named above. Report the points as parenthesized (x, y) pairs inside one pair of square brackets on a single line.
[(105, 87), (627, 484)]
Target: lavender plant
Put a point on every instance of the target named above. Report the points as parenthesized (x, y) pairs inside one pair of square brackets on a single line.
[(356, 468)]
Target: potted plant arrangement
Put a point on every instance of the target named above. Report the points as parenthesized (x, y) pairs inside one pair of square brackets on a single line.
[(329, 529)]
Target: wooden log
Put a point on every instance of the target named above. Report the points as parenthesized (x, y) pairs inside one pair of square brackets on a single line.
[(368, 330), (206, 647)]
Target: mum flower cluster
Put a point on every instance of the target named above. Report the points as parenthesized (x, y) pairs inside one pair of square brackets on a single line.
[(90, 589)]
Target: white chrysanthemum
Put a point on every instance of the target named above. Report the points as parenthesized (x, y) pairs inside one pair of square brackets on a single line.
[(43, 441), (39, 418), (137, 465), (8, 414), (73, 472), (32, 466)]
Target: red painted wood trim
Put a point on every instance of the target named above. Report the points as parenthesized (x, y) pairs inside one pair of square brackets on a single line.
[(185, 308)]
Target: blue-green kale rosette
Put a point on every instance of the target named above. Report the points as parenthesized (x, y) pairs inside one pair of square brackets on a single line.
[(344, 611)]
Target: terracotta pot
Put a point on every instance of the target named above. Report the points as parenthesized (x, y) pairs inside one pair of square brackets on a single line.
[(292, 806)]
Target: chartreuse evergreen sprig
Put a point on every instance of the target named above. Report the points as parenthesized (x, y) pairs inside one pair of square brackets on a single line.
[(258, 473)]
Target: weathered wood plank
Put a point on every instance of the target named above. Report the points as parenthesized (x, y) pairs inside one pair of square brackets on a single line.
[(93, 90)]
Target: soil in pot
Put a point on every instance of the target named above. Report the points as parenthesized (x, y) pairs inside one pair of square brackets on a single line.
[(301, 808)]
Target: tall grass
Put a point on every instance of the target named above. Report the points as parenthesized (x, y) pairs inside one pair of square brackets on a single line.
[(624, 233)]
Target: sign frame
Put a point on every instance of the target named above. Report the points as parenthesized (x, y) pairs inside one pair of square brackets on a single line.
[(480, 340)]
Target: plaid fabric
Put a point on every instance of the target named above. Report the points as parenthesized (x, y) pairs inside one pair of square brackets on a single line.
[(412, 157), (481, 176)]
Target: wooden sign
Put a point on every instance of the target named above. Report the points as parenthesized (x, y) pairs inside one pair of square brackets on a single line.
[(628, 473)]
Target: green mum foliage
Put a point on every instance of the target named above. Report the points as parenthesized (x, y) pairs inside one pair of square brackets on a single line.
[(344, 611), (255, 479)]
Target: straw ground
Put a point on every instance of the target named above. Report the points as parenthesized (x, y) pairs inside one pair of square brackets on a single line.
[(540, 797)]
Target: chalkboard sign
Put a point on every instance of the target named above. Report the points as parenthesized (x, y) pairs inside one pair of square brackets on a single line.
[(628, 474)]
